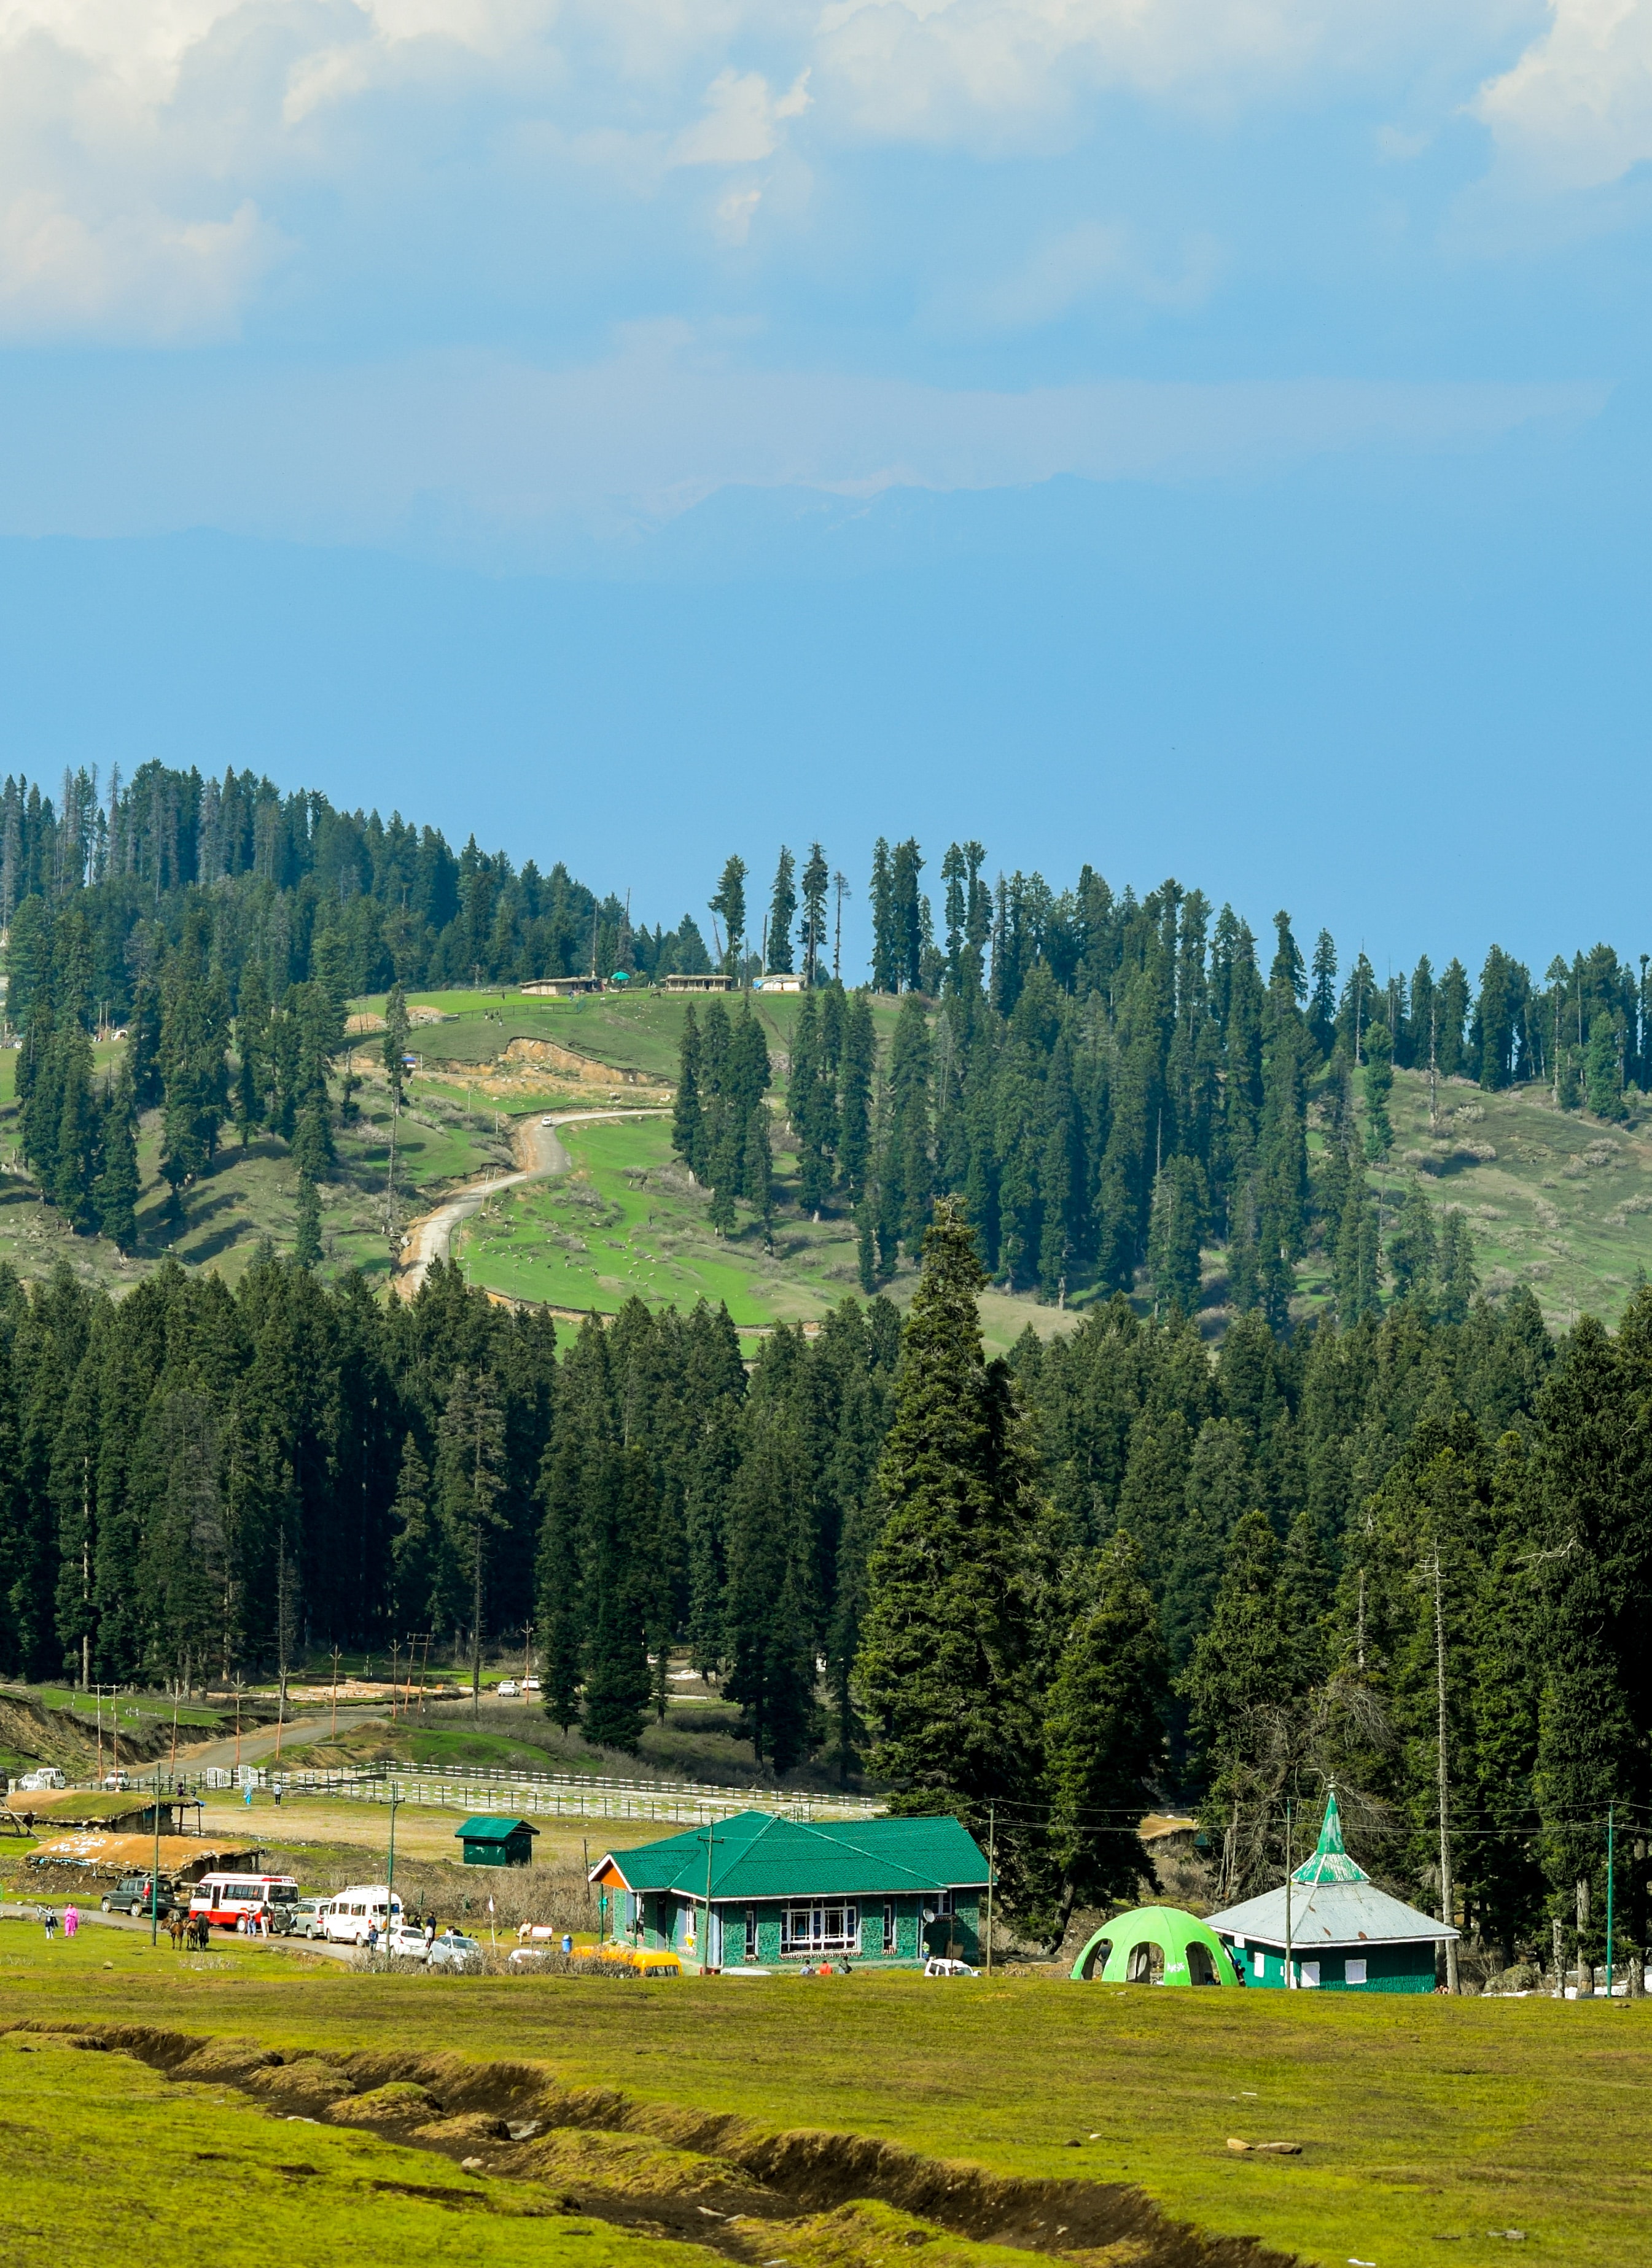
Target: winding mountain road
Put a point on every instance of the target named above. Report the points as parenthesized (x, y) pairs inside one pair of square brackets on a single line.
[(536, 1140)]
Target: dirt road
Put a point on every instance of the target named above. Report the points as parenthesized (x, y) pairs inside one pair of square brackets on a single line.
[(535, 1143)]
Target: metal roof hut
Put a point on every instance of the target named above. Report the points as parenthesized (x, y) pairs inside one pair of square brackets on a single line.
[(886, 1892), (1343, 1934), (492, 1841), (1123, 1950)]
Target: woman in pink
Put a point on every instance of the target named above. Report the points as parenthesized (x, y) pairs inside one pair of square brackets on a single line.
[(71, 1920)]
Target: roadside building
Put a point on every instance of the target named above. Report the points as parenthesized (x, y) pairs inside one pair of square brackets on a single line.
[(1343, 1933), (890, 1893), (704, 981), (786, 981), (560, 988), (490, 1842)]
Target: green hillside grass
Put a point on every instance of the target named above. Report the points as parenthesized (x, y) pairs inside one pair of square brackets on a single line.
[(627, 1222), (1556, 1200)]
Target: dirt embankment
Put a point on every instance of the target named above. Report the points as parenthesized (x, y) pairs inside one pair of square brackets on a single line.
[(58, 1736), (712, 2179)]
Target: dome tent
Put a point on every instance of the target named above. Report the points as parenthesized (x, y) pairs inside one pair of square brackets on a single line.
[(1122, 1951), (1329, 1927)]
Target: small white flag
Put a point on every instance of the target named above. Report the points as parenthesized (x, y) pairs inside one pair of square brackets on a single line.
[(490, 1906)]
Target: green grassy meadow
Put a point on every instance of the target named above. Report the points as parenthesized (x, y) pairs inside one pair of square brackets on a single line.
[(1424, 2123), (1556, 1200)]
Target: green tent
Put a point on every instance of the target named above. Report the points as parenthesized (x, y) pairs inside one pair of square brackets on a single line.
[(1155, 1945)]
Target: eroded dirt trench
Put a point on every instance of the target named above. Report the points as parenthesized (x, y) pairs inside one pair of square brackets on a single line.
[(838, 2200)]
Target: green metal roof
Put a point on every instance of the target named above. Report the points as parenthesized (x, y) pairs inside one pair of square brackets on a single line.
[(1331, 1863), (754, 1856), (486, 1829)]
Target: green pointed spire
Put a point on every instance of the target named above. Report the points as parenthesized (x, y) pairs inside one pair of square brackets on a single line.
[(1331, 1863)]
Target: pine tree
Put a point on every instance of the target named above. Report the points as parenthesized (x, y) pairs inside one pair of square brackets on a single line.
[(78, 1128), (812, 1109), (425, 1581), (1459, 1279), (886, 964), (1102, 1733), (471, 1480), (816, 883), (1379, 1085), (1322, 1004), (944, 1674), (730, 901), (1603, 1083), (687, 1127), (617, 1683), (1236, 1673), (782, 913), (306, 1249), (118, 1188), (1413, 1249), (396, 1039), (1452, 1014), (771, 1610), (854, 1098)]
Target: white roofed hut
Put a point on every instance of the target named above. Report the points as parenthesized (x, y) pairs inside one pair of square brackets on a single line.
[(1342, 1932)]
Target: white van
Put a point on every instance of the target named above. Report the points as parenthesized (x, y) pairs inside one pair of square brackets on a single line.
[(45, 1775), (348, 1916)]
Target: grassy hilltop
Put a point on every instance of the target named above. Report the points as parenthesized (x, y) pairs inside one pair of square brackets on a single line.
[(1556, 1200)]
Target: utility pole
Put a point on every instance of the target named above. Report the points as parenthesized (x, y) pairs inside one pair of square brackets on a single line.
[(1611, 1856), (1290, 1964), (155, 1868), (991, 1853), (1446, 1900), (705, 1945), (840, 883), (389, 1884)]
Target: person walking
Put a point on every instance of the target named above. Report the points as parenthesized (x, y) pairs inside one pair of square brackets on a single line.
[(72, 1921), (51, 1924)]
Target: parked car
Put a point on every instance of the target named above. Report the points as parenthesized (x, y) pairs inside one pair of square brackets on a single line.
[(304, 1919), (455, 1950), (131, 1894), (116, 1782), (406, 1941), (347, 1918), (508, 1689), (528, 1956), (43, 1776)]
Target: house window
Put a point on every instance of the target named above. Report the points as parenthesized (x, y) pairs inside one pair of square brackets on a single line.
[(806, 1930), (943, 1903), (889, 1925), (1310, 1973), (751, 1932), (1354, 1973), (1260, 1962)]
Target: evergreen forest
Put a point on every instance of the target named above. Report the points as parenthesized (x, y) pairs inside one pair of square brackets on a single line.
[(1198, 1544)]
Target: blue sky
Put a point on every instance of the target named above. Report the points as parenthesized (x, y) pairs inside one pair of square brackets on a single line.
[(1202, 437)]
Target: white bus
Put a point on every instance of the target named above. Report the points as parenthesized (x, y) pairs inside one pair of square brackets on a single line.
[(350, 1914), (224, 1899)]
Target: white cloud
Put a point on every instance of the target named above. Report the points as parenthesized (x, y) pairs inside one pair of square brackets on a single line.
[(140, 275), (1576, 110)]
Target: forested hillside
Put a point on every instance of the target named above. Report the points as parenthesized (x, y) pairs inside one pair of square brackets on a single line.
[(1289, 1475)]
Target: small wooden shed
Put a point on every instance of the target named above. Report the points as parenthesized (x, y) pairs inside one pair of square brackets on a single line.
[(497, 1842)]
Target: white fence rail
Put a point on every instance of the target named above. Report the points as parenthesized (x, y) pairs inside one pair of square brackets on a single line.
[(573, 1795)]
